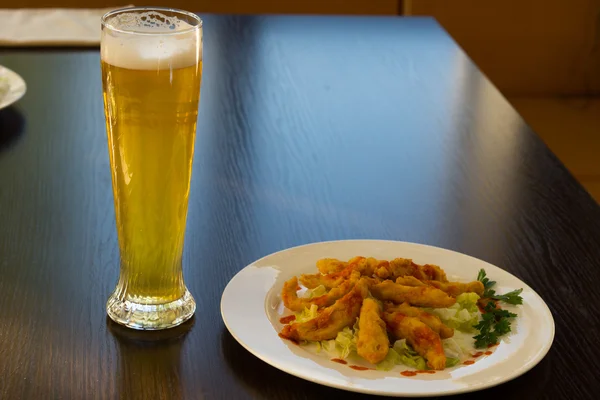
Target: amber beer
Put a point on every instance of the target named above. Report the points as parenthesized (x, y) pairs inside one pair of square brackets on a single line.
[(151, 72)]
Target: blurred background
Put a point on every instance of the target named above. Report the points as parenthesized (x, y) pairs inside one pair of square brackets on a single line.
[(543, 55)]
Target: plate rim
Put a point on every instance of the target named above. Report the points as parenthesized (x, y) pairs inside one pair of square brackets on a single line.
[(14, 80), (524, 368)]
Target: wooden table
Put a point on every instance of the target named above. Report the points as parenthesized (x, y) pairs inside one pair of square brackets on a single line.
[(310, 129)]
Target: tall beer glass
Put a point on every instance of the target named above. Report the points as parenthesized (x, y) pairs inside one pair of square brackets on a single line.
[(151, 71)]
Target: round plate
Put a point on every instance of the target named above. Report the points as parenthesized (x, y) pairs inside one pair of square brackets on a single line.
[(251, 308), (12, 87)]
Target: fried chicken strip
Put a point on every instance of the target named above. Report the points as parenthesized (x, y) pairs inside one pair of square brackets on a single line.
[(291, 300), (409, 281), (430, 320), (335, 279), (424, 340), (457, 288), (373, 342), (421, 296), (405, 267), (332, 319), (330, 265)]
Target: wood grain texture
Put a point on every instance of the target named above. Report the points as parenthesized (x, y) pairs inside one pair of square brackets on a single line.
[(309, 129)]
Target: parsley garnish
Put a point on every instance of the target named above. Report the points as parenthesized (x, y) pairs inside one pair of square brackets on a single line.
[(487, 284), (489, 293), (495, 321)]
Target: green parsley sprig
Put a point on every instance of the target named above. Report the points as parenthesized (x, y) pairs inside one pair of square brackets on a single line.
[(489, 293), (495, 321)]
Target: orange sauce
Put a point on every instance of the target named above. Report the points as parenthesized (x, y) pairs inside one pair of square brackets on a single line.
[(287, 320), (339, 361), (358, 368), (287, 338)]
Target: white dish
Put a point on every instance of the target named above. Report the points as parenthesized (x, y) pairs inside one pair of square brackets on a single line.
[(251, 308), (12, 87)]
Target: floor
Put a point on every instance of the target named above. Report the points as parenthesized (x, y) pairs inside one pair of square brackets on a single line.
[(571, 129)]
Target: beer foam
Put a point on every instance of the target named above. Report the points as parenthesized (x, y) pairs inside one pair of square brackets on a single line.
[(151, 41)]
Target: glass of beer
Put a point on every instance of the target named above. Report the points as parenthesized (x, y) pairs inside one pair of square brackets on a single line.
[(151, 71)]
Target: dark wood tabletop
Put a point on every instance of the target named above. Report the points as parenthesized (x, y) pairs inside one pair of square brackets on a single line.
[(310, 129)]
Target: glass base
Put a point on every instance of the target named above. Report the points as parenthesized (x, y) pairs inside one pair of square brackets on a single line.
[(151, 316)]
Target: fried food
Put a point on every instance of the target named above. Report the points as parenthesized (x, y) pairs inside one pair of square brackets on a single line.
[(421, 337), (332, 319), (409, 281), (360, 264), (422, 296), (379, 267), (373, 343), (330, 265), (456, 288), (291, 300), (428, 319), (453, 289), (406, 267), (383, 298)]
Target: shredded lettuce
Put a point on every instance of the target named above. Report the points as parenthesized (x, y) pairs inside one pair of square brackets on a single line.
[(307, 314), (316, 292), (461, 316), (459, 346), (468, 301), (344, 344), (408, 356), (390, 361), (451, 362), (403, 354)]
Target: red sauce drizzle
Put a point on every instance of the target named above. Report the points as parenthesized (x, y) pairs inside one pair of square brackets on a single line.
[(358, 367), (339, 360), (478, 354), (290, 339), (469, 362), (492, 345), (487, 353), (408, 373), (287, 320)]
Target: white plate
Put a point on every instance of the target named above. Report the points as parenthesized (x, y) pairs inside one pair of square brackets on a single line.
[(251, 308), (12, 87)]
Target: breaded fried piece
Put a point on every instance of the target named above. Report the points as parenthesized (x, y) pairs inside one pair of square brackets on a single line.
[(378, 267), (405, 267), (425, 341), (291, 300), (332, 319), (330, 265), (421, 296), (456, 288), (335, 279), (430, 320), (373, 281), (409, 281), (373, 342)]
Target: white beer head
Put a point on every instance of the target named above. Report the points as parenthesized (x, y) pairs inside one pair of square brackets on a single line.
[(150, 40)]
